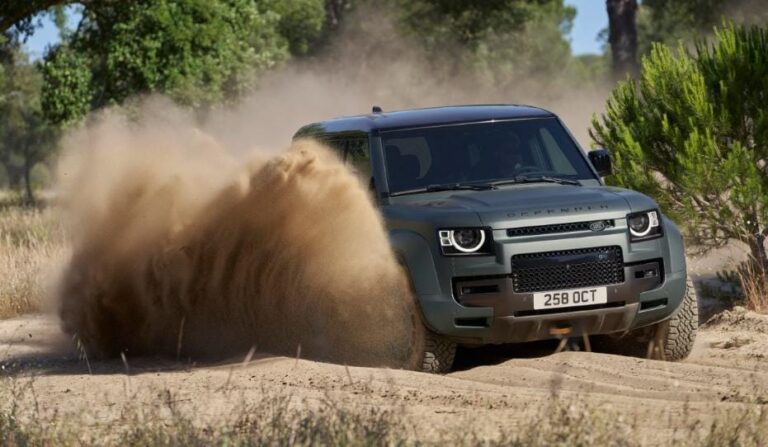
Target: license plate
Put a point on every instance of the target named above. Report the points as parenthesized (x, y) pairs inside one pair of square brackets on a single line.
[(570, 298)]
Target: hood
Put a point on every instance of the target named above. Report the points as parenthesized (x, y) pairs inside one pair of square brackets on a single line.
[(524, 205)]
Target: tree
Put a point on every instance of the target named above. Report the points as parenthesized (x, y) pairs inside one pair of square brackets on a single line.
[(20, 14), (26, 139), (622, 36), (335, 11), (502, 40), (199, 53), (335, 14), (301, 23), (670, 21), (67, 91), (467, 22), (693, 133)]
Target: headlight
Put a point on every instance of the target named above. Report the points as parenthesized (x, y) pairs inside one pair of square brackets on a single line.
[(644, 226), (465, 241)]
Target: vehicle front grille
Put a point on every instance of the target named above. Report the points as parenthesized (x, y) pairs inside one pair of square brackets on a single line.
[(556, 228), (567, 269)]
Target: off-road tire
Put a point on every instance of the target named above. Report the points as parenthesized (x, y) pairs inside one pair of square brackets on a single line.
[(675, 335), (438, 353), (679, 332)]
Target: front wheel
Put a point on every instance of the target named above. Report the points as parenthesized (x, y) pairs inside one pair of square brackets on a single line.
[(430, 352), (677, 335), (670, 339), (437, 353)]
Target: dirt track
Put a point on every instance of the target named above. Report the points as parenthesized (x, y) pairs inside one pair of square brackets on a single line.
[(493, 388)]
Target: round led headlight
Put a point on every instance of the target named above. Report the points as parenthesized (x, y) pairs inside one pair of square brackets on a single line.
[(641, 224), (467, 240)]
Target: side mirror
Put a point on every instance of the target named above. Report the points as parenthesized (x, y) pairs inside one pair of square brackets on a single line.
[(601, 160)]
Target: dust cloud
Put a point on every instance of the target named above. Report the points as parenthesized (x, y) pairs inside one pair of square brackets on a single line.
[(182, 249), (372, 62)]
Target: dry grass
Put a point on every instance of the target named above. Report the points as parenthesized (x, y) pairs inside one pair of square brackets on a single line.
[(272, 421), (754, 287), (278, 420), (30, 239)]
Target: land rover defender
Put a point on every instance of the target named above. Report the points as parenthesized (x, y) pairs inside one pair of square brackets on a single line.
[(508, 233)]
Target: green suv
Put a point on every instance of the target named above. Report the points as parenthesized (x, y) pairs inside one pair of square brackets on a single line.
[(509, 235)]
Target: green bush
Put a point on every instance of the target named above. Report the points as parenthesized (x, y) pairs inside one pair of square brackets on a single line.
[(692, 132)]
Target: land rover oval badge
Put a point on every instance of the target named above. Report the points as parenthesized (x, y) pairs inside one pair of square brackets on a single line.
[(598, 225)]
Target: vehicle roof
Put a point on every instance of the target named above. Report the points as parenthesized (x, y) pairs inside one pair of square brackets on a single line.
[(433, 116)]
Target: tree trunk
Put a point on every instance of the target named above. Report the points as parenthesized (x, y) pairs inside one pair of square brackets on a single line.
[(30, 197), (334, 9), (622, 36), (15, 176), (758, 256)]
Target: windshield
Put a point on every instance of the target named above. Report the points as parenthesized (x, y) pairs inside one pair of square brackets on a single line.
[(481, 153)]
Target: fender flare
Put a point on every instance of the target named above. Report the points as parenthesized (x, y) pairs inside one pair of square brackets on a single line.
[(413, 252)]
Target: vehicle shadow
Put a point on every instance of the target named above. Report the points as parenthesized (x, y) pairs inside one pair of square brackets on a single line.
[(62, 357), (473, 357), (44, 364)]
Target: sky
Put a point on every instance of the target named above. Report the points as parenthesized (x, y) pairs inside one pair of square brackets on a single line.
[(47, 34), (590, 19), (42, 37)]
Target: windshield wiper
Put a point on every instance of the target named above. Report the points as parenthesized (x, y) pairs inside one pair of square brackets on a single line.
[(536, 179), (447, 187), (490, 185), (459, 186)]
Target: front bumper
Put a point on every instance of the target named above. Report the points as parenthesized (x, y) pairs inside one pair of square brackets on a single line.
[(502, 319), (481, 307), (515, 320)]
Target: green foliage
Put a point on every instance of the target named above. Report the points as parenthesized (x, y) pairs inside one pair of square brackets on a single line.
[(539, 48), (502, 42), (200, 53), (693, 133), (667, 21), (467, 22), (66, 91), (301, 22), (26, 138), (591, 66), (670, 21)]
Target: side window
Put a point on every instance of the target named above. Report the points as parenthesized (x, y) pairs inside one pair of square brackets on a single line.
[(357, 155), (338, 145), (354, 152)]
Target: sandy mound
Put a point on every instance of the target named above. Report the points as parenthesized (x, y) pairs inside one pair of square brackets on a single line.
[(739, 319)]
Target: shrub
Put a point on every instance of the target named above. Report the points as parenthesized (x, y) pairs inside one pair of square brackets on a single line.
[(693, 133)]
